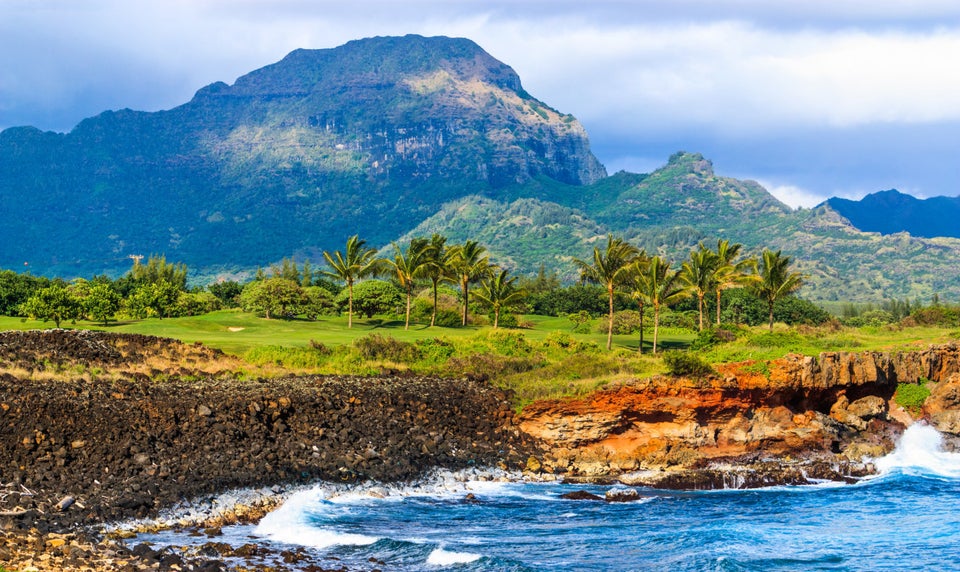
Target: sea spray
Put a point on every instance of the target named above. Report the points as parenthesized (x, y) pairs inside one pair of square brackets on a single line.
[(920, 453), (478, 522)]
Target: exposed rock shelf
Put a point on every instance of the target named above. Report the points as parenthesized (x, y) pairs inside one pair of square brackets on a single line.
[(808, 418)]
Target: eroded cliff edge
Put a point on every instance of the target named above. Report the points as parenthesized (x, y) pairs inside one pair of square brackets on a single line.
[(791, 420)]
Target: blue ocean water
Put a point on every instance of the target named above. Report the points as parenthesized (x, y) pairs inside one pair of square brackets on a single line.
[(907, 518)]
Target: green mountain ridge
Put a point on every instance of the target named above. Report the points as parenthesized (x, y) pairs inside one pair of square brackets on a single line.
[(367, 138), (397, 137), (672, 209)]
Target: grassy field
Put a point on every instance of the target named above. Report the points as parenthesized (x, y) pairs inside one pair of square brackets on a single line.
[(545, 360), (237, 332)]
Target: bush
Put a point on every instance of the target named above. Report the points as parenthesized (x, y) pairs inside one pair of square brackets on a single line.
[(581, 321), (435, 349), (710, 337), (490, 366), (372, 297), (624, 323), (448, 312), (911, 396), (385, 348), (684, 364), (776, 340), (509, 343)]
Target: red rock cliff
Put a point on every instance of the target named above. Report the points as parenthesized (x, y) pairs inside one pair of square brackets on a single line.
[(799, 407)]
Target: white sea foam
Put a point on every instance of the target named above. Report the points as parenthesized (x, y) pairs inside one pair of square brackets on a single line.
[(441, 557), (920, 452), (288, 524)]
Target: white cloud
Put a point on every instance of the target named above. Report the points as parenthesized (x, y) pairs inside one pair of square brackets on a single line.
[(794, 196)]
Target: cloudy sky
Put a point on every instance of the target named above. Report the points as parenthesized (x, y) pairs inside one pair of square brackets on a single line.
[(813, 98)]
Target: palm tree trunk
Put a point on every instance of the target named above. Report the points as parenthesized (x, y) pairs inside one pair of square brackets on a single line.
[(433, 317), (610, 321), (496, 318), (719, 291), (465, 285), (406, 325), (656, 326), (700, 306), (349, 304), (770, 303), (640, 347)]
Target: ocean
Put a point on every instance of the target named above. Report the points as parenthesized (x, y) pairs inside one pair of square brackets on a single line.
[(905, 518)]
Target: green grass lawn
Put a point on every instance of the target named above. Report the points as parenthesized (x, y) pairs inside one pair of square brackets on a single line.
[(237, 332), (544, 360)]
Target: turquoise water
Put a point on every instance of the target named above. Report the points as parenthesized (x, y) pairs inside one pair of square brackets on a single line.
[(908, 518)]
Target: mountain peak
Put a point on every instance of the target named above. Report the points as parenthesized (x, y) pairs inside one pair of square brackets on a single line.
[(890, 212), (376, 62)]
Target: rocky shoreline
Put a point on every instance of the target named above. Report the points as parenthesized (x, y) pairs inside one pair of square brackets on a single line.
[(80, 452), (122, 440)]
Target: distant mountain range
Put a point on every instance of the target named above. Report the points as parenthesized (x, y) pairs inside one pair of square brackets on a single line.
[(394, 137), (889, 212)]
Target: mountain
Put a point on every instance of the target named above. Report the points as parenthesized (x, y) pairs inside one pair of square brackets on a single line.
[(671, 210), (889, 212), (396, 137), (368, 138)]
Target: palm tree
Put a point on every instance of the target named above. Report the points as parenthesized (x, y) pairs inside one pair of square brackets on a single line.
[(636, 285), (660, 287), (467, 264), (499, 292), (732, 274), (610, 269), (775, 279), (358, 263), (698, 273), (407, 267), (437, 267)]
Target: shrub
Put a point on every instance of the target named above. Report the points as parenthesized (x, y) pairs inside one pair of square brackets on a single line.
[(448, 312), (489, 366), (711, 337), (320, 348), (624, 323), (506, 320), (581, 321), (372, 297), (386, 348), (760, 367), (685, 364), (435, 349), (776, 340), (564, 341), (911, 396), (509, 343)]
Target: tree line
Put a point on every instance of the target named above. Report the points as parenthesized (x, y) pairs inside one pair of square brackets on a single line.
[(619, 271), (650, 280)]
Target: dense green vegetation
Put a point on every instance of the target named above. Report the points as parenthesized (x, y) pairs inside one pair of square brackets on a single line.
[(294, 317), (396, 138)]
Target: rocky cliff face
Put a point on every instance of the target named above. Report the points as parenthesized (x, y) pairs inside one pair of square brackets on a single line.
[(368, 138), (836, 408)]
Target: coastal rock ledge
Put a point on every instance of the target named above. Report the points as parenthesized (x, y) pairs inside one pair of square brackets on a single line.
[(787, 421)]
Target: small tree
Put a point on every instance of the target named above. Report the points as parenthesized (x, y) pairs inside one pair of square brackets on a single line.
[(102, 303), (499, 292), (775, 280), (227, 292), (54, 302), (407, 266), (661, 287), (355, 263), (372, 297), (609, 268), (272, 297), (468, 264), (699, 274)]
